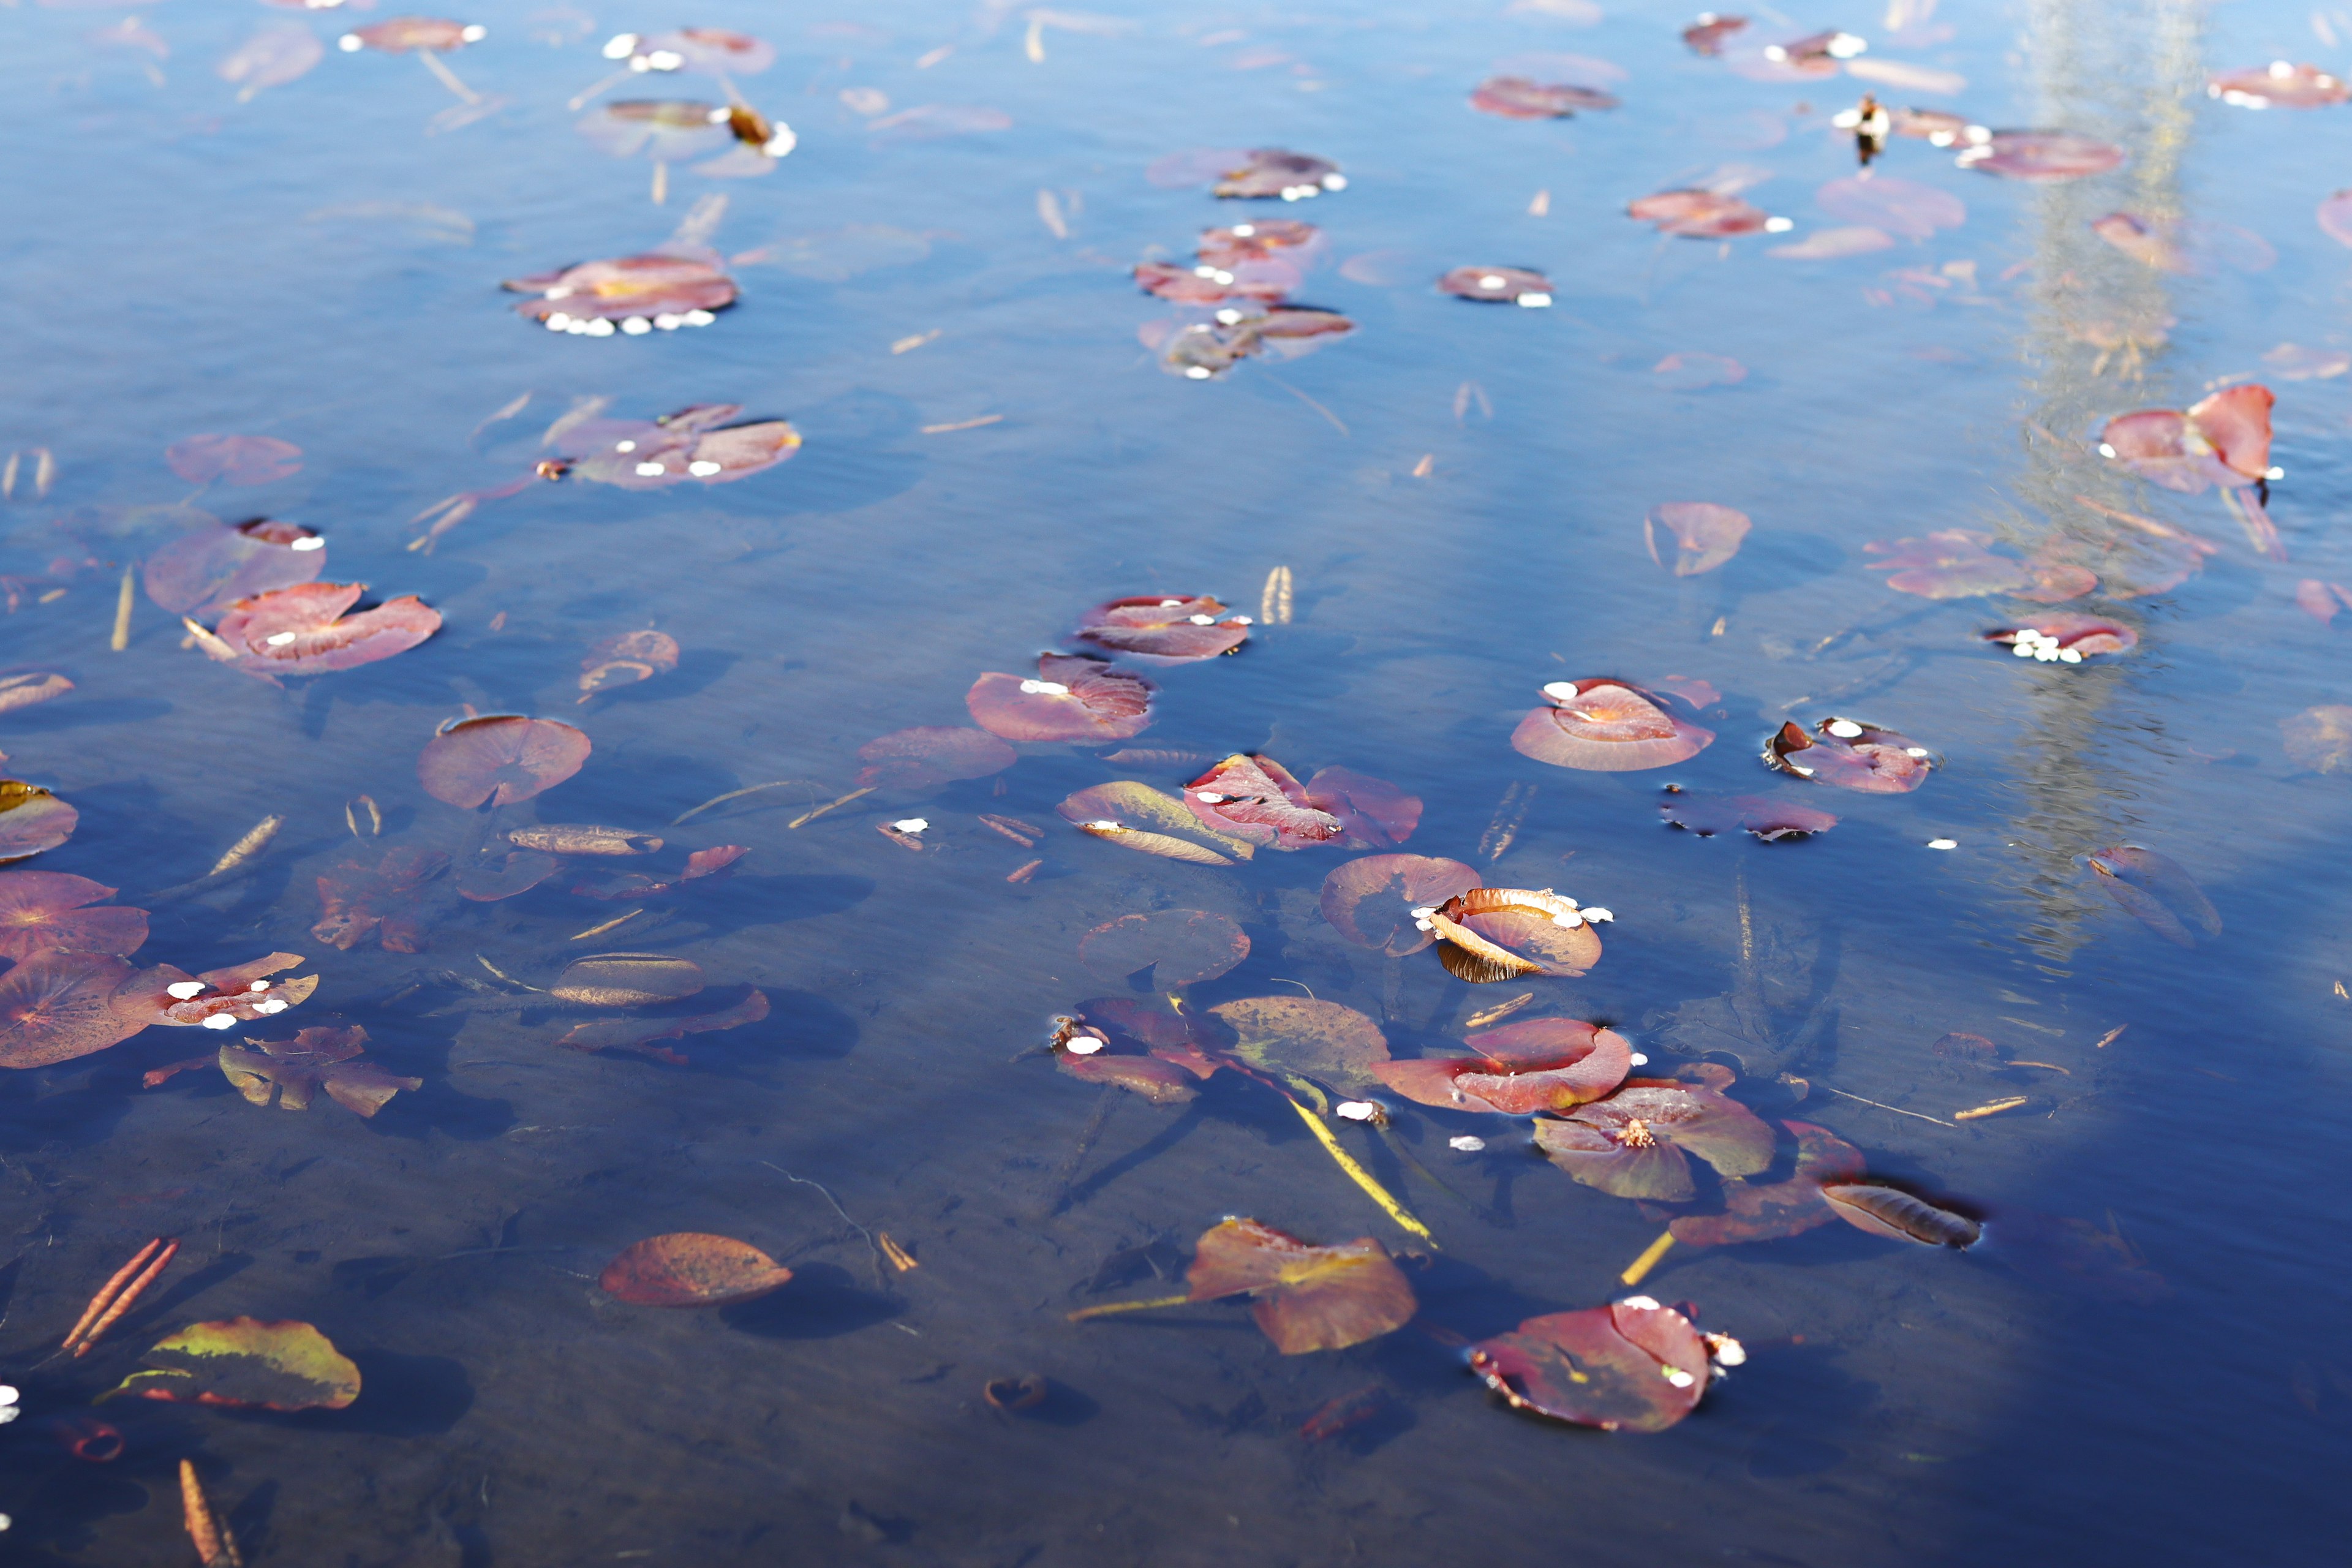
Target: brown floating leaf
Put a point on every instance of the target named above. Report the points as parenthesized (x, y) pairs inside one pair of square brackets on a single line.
[(1257, 799), (1637, 1142), (2154, 889), (2223, 439), (1160, 1083), (249, 1363), (689, 1268), (1852, 756), (1706, 535), (1265, 171), (708, 867), (625, 658), (234, 459), (1519, 98), (1765, 1211), (2320, 738), (930, 755), (669, 130), (1498, 286), (659, 290), (1134, 1026), (1301, 1035), (583, 838), (1137, 816), (1303, 1298), (639, 1034), (382, 900), (691, 444), (1898, 1216), (1766, 817), (173, 997), (303, 630), (1539, 1064), (403, 34), (44, 912), (626, 980), (1370, 900), (1705, 36), (1181, 947), (55, 1007), (2081, 636), (1072, 698), (1500, 933), (500, 758), (1606, 726), (32, 820), (1699, 214), (205, 571), (1632, 1365), (1164, 627), (313, 1059)]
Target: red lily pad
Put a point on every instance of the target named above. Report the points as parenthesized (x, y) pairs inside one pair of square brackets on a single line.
[(29, 688), (2322, 601), (1264, 239), (1071, 698), (1601, 725), (2320, 738), (1541, 1064), (1497, 285), (1630, 1366), (1501, 933), (47, 911), (2042, 156), (32, 820), (314, 1059), (1372, 814), (1897, 207), (1936, 127), (930, 755), (1954, 563), (1269, 172), (706, 867), (695, 443), (689, 1268), (1699, 214), (1370, 900), (2085, 637), (1255, 798), (2223, 439), (403, 34), (1166, 626), (205, 571), (2154, 890), (1769, 818), (639, 1033), (360, 900), (1208, 284), (1705, 36), (234, 459), (2278, 85), (500, 758), (1852, 756), (1706, 535), (303, 630), (56, 1006), (1898, 1215), (1303, 1298), (654, 289), (1767, 1211), (171, 997), (1520, 98), (1181, 947), (1638, 1142)]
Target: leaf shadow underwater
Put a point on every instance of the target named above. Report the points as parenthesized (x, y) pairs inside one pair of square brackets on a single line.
[(822, 1301)]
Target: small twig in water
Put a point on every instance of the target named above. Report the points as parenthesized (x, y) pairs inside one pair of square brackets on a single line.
[(843, 1213), (1897, 1109)]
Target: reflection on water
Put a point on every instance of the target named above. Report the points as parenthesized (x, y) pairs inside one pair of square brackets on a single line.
[(749, 1011)]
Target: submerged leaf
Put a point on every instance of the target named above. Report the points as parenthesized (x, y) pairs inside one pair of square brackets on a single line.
[(249, 1363), (583, 838), (1954, 563), (1265, 171), (1767, 818), (695, 443), (1706, 535), (488, 882), (1519, 98), (2085, 637), (1541, 1064), (56, 1006), (234, 459), (1071, 698), (2320, 738), (1164, 627), (314, 1059), (626, 980), (1637, 1144), (303, 630), (1634, 1365), (500, 758), (706, 867), (1137, 816), (1898, 1216), (671, 130), (1850, 754), (205, 571), (173, 997), (1370, 900), (1181, 947), (640, 1033), (2154, 889), (1301, 1035), (360, 900), (403, 34), (1765, 1211), (930, 755), (1903, 208), (45, 911), (1699, 214), (690, 1268), (626, 658), (1303, 1298), (1606, 726), (1160, 1083)]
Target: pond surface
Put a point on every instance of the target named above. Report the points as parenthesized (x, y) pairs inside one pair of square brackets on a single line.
[(1427, 518)]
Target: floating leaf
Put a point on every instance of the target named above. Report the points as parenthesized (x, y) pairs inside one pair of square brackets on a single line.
[(1903, 208), (671, 130), (930, 755), (2335, 216), (1154, 1028), (32, 820), (2223, 439), (1071, 698), (1370, 900), (2154, 889), (1852, 756), (639, 1034), (1497, 285), (1706, 535), (659, 290), (488, 881), (1954, 563), (313, 1060), (403, 34), (249, 1363), (171, 997), (1255, 798), (2320, 738), (234, 459), (1264, 239), (1181, 947), (1539, 1064), (1836, 244), (25, 689), (1520, 98), (625, 658), (583, 838), (695, 443), (381, 900), (2278, 85), (272, 57), (714, 50), (2085, 637), (205, 571), (1637, 1144), (1265, 172), (1699, 214), (1604, 725), (1164, 627), (1206, 283), (45, 911), (1137, 816), (1898, 1216), (1303, 1298), (55, 1007), (1160, 1083), (303, 630), (1706, 35), (1765, 816), (1301, 1035), (626, 980), (499, 758), (2042, 156), (1765, 1211), (708, 867), (688, 1269), (1632, 1365), (1500, 933)]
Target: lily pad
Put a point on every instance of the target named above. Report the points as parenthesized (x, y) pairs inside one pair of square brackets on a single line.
[(662, 290), (2043, 157), (639, 1034), (1255, 798), (246, 1362), (1164, 627), (930, 755), (1637, 1144), (1705, 535), (1370, 900), (171, 997), (1903, 207), (1955, 563), (1137, 816), (32, 820), (205, 571), (1604, 725), (2278, 85), (1522, 98), (314, 1059), (403, 34), (1634, 1365), (1539, 1064), (56, 1006), (691, 1269), (2085, 637), (1303, 1298), (359, 900), (1181, 947), (500, 758), (1699, 214), (1071, 698), (1270, 172), (48, 911), (2223, 439), (1498, 286), (1767, 818), (1706, 35), (303, 630), (1263, 239), (1501, 933), (489, 879), (1160, 1083), (694, 444), (1850, 754), (1304, 1035), (2155, 890), (625, 658), (1765, 1211)]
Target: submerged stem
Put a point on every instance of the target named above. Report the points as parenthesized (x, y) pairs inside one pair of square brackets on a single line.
[(1109, 1308), (1361, 1177)]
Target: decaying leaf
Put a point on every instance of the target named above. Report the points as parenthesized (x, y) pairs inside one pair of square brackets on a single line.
[(1706, 535), (205, 572), (1181, 947), (171, 997), (1538, 1064), (704, 870), (234, 459), (246, 1362), (1137, 816), (1488, 934), (50, 911), (581, 838), (314, 1059), (1267, 172), (383, 900), (2320, 738), (1169, 627), (1898, 1216), (500, 758), (2154, 889), (1632, 1365), (1303, 1036), (625, 658), (930, 755), (2223, 439), (1606, 726), (1071, 698), (639, 1034), (694, 444), (1767, 818), (1637, 1144), (690, 1268), (303, 630), (1850, 754), (626, 980), (1765, 1211), (1370, 900), (1303, 1298)]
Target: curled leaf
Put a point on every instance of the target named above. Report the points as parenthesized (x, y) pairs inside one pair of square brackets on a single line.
[(1538, 1064), (1137, 816), (1500, 933), (1850, 754), (32, 820), (1303, 1298), (1632, 1365), (625, 658), (1164, 627), (500, 758), (1637, 1144), (1181, 947), (1370, 900), (690, 1268), (2223, 439), (1072, 698), (1898, 1215), (1606, 726), (303, 630), (2154, 889)]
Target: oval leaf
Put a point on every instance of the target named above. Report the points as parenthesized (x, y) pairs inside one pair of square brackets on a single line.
[(690, 1268), (500, 758), (1370, 900), (1632, 1365), (1305, 1298), (247, 1361)]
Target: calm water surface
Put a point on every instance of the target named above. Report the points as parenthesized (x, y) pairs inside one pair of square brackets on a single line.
[(1458, 492)]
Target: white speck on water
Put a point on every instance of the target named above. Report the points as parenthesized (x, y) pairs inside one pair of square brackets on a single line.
[(911, 823), (1466, 1144), (1943, 844), (702, 468)]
